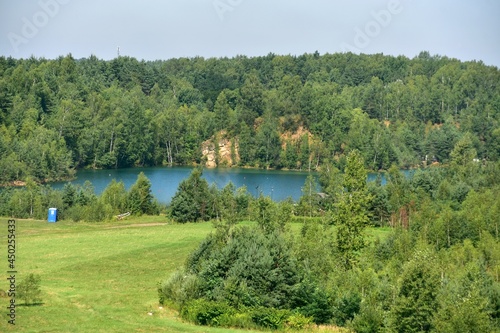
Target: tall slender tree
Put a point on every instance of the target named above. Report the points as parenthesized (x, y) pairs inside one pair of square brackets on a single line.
[(352, 205)]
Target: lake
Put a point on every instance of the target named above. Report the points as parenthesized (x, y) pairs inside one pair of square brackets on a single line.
[(279, 185)]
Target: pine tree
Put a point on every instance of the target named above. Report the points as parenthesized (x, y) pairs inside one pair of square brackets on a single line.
[(191, 202), (140, 200)]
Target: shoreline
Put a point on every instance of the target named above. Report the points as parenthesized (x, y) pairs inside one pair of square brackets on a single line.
[(22, 183)]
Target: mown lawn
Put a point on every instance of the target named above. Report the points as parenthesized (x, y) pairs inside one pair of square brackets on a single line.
[(99, 277)]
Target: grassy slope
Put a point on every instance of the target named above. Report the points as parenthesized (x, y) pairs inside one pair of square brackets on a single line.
[(100, 277)]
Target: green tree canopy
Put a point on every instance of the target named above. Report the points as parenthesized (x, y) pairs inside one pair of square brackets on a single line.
[(351, 210), (140, 200), (192, 200)]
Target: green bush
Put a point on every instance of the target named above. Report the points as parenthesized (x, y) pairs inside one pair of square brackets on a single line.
[(312, 302), (346, 307), (29, 289), (212, 313), (251, 268), (179, 289), (237, 320), (298, 321), (208, 313), (76, 213), (269, 317), (369, 320)]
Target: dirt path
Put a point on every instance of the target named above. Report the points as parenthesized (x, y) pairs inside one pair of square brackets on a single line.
[(136, 225)]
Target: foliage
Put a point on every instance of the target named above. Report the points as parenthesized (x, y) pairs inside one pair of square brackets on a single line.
[(466, 303), (281, 111), (140, 200), (191, 202), (309, 203), (346, 307), (80, 203), (203, 312), (298, 322), (441, 256), (315, 246), (179, 289), (211, 313), (29, 289), (312, 302), (416, 301), (351, 215), (269, 317), (253, 271), (436, 267)]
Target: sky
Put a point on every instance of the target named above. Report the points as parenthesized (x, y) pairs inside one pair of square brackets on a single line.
[(164, 29)]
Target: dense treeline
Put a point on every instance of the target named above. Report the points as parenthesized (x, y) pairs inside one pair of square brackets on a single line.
[(79, 203), (436, 270), (279, 111)]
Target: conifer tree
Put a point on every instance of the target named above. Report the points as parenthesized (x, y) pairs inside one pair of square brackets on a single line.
[(140, 200), (191, 202)]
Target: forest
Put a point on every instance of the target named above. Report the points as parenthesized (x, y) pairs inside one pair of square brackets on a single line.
[(274, 111), (416, 254), (298, 265)]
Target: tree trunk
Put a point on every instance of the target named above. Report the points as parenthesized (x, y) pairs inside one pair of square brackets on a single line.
[(448, 234), (111, 143), (168, 145)]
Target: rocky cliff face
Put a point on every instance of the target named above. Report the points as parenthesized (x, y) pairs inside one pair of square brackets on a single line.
[(220, 151)]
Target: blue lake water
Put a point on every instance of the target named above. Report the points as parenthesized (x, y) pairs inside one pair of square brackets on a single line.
[(279, 185)]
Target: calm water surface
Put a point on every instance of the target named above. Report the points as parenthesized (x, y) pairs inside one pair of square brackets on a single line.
[(279, 185), (164, 180)]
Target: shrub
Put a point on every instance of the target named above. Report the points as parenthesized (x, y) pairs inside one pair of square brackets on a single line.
[(369, 320), (298, 321), (245, 268), (179, 288), (346, 307), (208, 313), (269, 317), (76, 213), (237, 320), (312, 302), (29, 289)]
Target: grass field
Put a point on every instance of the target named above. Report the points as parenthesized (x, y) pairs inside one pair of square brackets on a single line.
[(99, 277)]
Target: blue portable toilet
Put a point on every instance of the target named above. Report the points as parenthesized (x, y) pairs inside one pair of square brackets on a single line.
[(52, 215)]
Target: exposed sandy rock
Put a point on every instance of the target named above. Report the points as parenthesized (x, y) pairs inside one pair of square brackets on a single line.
[(223, 158)]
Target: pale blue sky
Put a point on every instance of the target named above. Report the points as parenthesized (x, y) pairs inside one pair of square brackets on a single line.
[(163, 29)]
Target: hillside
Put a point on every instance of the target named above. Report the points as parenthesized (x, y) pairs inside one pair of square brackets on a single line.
[(57, 115), (104, 288)]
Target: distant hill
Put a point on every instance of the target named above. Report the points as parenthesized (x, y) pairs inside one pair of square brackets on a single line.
[(57, 115)]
